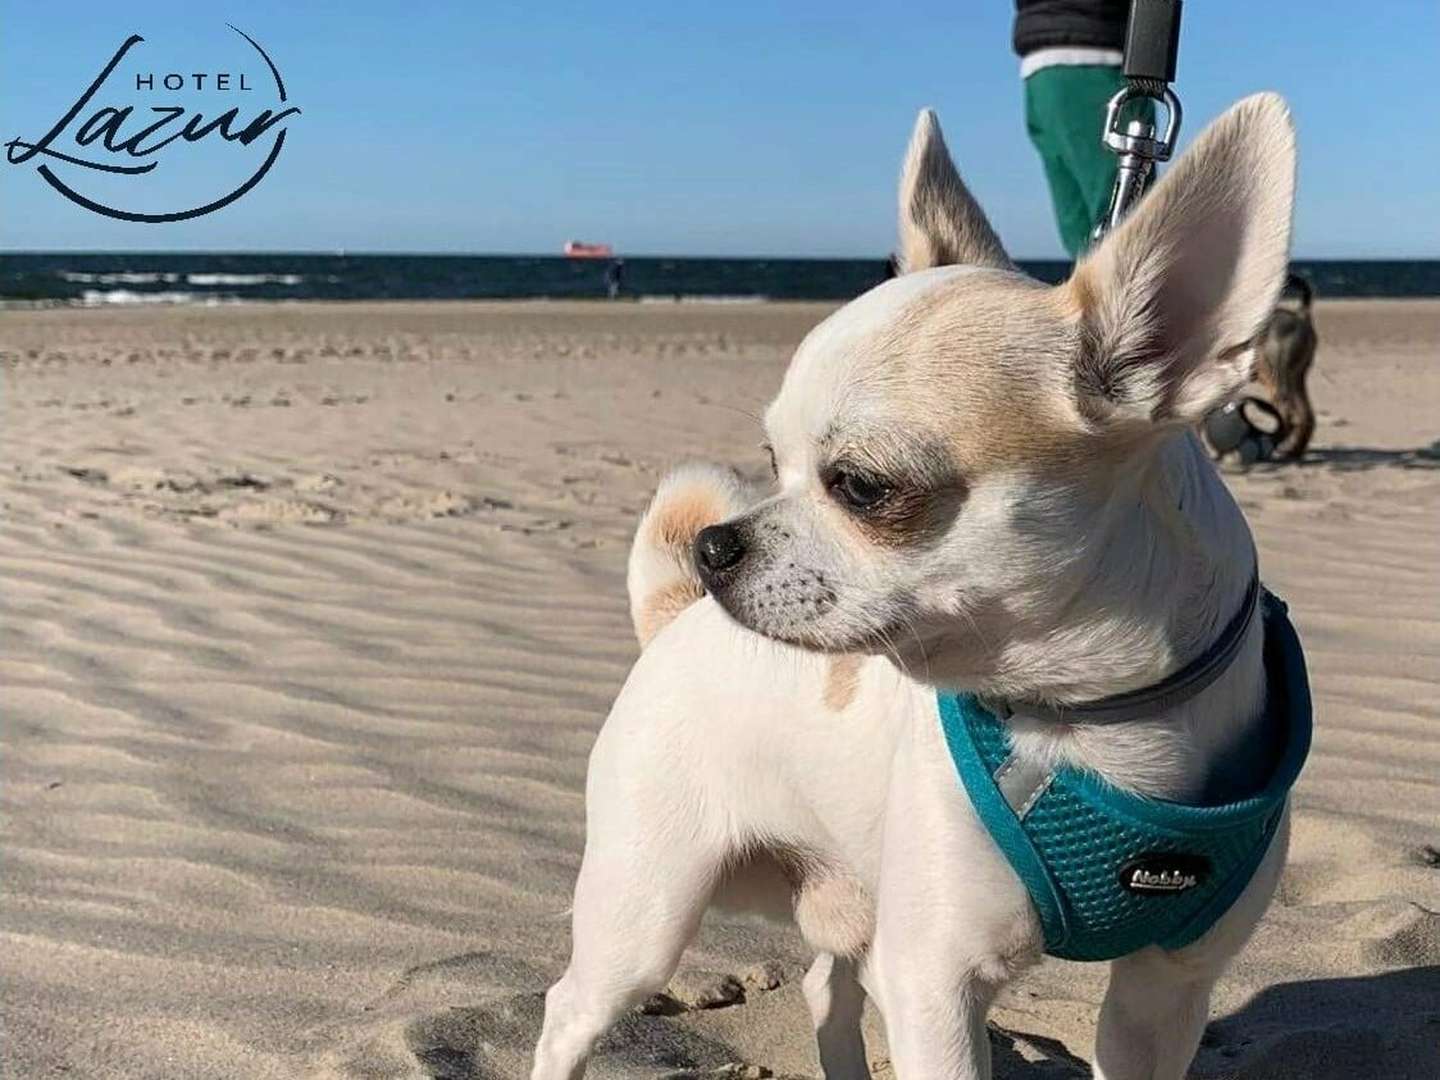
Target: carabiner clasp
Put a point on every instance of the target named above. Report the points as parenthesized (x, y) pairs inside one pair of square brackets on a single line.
[(1139, 147), (1143, 141)]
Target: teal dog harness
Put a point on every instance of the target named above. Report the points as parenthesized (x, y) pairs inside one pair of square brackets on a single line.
[(1111, 872)]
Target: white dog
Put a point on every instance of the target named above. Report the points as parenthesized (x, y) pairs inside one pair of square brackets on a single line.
[(983, 483)]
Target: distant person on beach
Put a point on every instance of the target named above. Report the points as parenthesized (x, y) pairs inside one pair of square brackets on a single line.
[(1070, 60), (615, 279)]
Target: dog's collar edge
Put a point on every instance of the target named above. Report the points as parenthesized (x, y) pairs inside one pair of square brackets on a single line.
[(1173, 690)]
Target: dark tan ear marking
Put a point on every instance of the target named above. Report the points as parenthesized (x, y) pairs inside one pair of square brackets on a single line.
[(682, 518)]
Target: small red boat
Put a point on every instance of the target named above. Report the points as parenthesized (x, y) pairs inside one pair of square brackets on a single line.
[(578, 249)]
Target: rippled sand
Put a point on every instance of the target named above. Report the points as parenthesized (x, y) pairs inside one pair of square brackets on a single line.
[(310, 615)]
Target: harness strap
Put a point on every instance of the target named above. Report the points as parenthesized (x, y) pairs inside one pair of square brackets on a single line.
[(1109, 871), (1022, 780)]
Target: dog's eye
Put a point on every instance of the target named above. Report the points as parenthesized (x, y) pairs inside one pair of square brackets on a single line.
[(774, 465), (857, 490)]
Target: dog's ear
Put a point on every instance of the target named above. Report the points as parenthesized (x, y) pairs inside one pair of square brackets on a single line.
[(940, 222), (1172, 299)]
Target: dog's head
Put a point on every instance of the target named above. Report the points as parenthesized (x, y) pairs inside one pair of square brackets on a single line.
[(952, 449)]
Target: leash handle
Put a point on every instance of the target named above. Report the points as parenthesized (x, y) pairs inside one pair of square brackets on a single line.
[(1152, 47)]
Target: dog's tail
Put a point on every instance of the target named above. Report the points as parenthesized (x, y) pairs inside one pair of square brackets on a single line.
[(1301, 286), (662, 578)]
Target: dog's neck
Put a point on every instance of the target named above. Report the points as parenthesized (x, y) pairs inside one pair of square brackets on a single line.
[(1166, 564), (1177, 549)]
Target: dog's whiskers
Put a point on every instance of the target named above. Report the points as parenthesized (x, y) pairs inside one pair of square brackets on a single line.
[(909, 624)]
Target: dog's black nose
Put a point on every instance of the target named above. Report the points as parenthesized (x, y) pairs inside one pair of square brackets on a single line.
[(717, 549)]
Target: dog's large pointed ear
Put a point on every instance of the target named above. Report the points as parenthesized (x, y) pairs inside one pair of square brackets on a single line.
[(1172, 300), (940, 222)]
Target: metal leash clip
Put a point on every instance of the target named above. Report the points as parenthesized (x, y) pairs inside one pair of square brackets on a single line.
[(1139, 148), (1152, 42)]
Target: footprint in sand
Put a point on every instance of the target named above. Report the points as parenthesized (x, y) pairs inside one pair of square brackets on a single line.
[(1395, 932), (318, 482), (494, 1040), (280, 512), (433, 504), (142, 479)]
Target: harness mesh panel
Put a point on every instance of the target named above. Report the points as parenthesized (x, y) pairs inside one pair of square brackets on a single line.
[(1084, 847)]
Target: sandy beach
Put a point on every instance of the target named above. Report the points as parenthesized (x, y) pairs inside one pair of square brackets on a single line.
[(311, 614)]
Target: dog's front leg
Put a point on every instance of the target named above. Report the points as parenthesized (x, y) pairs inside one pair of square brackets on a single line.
[(953, 922), (631, 922), (935, 990), (1157, 1004), (652, 860), (935, 1025)]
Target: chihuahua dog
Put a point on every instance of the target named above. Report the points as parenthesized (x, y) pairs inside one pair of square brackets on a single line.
[(981, 482)]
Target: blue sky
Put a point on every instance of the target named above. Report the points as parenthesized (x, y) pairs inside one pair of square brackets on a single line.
[(738, 128)]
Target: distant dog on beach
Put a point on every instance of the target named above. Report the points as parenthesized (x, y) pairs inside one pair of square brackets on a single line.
[(1280, 424), (982, 484), (1286, 352)]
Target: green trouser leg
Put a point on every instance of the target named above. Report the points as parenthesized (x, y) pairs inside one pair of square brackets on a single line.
[(1065, 115)]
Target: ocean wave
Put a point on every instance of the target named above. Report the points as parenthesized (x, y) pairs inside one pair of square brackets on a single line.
[(211, 280), (102, 298), (126, 277)]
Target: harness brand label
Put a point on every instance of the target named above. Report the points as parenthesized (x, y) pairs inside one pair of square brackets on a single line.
[(1163, 873)]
